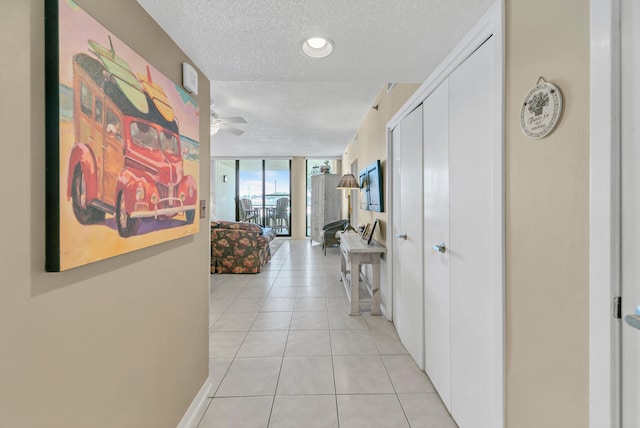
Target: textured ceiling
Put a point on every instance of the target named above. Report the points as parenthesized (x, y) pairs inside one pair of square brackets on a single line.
[(296, 106)]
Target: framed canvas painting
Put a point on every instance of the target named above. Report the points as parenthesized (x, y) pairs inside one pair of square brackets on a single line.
[(122, 149), (371, 198)]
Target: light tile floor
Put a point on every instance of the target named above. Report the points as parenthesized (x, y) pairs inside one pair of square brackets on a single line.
[(285, 353)]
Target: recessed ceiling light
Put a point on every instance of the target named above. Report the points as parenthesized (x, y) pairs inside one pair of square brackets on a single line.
[(317, 42), (317, 47)]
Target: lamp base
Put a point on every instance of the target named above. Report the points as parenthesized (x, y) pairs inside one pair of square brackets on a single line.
[(349, 227)]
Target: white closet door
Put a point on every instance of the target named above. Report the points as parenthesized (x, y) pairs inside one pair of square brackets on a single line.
[(476, 316), (630, 233), (408, 238), (436, 231)]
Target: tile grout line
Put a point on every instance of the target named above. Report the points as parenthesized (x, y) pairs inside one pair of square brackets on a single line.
[(333, 369), (236, 354), (395, 391), (275, 390)]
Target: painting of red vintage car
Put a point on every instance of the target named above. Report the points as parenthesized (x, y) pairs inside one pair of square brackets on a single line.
[(126, 159), (123, 150)]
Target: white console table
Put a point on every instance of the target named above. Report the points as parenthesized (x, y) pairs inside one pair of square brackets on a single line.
[(355, 252)]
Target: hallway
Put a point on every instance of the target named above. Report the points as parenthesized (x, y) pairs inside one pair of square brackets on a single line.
[(285, 353)]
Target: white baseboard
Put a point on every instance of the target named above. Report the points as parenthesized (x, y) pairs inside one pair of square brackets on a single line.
[(195, 410)]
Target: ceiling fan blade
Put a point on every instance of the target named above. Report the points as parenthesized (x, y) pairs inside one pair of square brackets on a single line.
[(233, 119), (231, 129)]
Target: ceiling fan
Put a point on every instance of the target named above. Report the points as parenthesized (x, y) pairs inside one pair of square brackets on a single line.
[(222, 123)]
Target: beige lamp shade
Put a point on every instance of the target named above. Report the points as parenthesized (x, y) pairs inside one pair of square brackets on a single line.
[(348, 181)]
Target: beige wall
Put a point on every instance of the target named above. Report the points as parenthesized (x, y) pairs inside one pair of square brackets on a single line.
[(372, 145), (118, 343), (298, 198), (547, 239)]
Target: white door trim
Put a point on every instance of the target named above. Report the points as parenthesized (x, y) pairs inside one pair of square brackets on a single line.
[(604, 214), (490, 25)]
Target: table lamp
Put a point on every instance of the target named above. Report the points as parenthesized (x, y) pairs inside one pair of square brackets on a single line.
[(348, 182)]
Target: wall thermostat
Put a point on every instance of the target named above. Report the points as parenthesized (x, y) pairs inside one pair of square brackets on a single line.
[(189, 78)]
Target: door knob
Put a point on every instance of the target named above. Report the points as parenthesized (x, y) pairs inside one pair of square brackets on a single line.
[(440, 248), (634, 319), (402, 236)]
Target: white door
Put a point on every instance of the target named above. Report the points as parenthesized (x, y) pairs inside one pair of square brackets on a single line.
[(407, 231), (436, 231), (630, 236), (474, 254)]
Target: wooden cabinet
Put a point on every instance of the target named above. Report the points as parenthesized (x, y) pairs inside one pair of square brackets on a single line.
[(325, 203)]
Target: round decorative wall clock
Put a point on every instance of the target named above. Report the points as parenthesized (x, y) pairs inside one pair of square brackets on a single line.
[(541, 110)]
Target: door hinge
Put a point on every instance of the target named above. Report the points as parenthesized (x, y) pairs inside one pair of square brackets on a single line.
[(617, 307)]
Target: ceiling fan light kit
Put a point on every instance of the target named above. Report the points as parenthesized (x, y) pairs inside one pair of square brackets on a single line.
[(218, 123), (317, 47), (215, 126)]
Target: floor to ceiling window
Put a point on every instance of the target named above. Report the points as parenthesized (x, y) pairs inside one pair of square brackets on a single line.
[(256, 191), (250, 191), (277, 195)]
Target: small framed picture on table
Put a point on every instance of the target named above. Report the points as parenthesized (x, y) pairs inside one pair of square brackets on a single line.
[(368, 233), (364, 230)]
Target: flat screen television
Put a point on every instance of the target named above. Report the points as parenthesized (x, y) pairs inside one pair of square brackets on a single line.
[(372, 198)]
